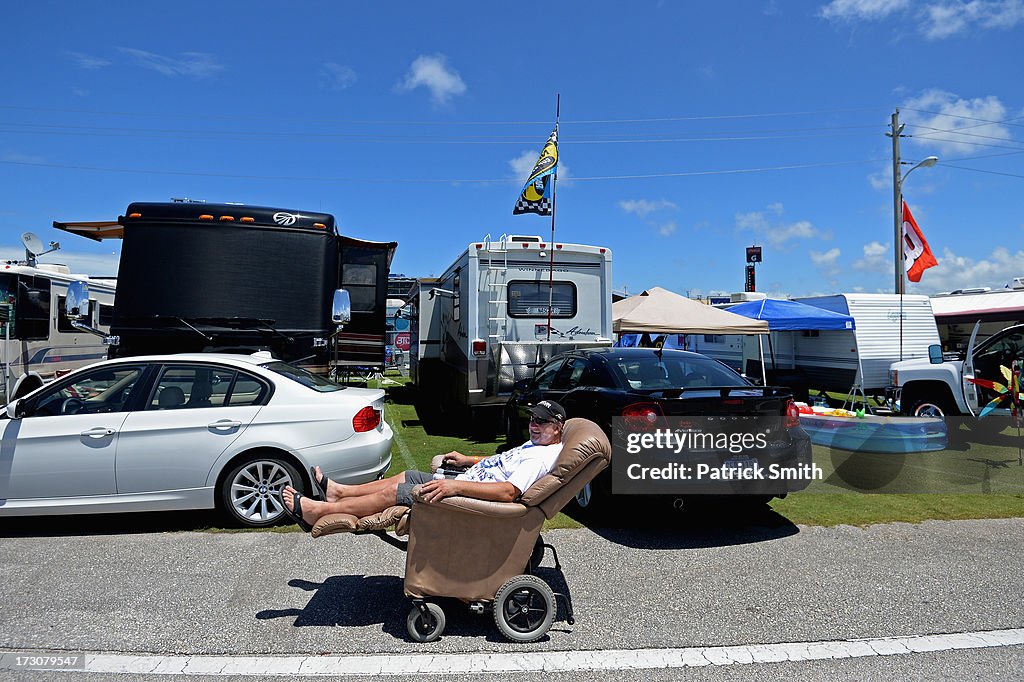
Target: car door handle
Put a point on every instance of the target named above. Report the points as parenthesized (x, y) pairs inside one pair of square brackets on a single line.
[(225, 424), (99, 432)]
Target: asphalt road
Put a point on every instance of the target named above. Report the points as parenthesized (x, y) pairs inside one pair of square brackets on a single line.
[(283, 593)]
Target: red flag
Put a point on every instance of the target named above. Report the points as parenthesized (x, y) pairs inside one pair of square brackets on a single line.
[(916, 252)]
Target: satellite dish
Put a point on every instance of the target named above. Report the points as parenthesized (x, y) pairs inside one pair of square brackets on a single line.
[(33, 244)]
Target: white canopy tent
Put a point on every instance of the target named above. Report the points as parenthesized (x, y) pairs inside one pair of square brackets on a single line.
[(664, 312)]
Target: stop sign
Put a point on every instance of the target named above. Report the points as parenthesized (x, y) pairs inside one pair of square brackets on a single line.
[(402, 341)]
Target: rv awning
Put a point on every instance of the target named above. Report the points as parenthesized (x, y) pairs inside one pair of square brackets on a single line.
[(661, 311), (97, 230), (791, 315)]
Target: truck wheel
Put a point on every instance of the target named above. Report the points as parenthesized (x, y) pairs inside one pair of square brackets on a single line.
[(926, 407)]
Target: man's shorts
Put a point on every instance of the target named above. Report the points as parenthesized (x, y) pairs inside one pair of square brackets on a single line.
[(413, 478)]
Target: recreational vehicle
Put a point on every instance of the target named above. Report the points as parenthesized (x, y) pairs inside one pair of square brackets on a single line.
[(39, 341), (215, 277), (957, 312), (501, 309), (887, 330)]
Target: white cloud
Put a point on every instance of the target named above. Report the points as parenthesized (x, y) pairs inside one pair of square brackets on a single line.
[(641, 207), (194, 64), (774, 232), (951, 114), (936, 19), (858, 10), (95, 264), (960, 272), (877, 258), (432, 72), (666, 229), (335, 76), (881, 179), (87, 61), (825, 259), (944, 19), (826, 262)]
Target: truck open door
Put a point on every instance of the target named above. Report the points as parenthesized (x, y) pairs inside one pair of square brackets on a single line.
[(970, 390)]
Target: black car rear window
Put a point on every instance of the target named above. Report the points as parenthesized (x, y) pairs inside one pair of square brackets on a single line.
[(673, 371)]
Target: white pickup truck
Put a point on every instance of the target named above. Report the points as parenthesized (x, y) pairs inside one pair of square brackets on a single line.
[(937, 386)]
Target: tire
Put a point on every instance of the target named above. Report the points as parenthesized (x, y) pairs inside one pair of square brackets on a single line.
[(926, 407), (524, 608), (585, 497), (250, 493), (425, 629)]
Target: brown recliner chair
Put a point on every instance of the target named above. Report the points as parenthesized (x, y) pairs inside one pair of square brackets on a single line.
[(485, 553)]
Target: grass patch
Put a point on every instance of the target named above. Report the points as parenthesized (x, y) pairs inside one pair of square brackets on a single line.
[(863, 509)]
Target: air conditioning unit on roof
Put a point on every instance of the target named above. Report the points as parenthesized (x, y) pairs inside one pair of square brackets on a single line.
[(743, 296)]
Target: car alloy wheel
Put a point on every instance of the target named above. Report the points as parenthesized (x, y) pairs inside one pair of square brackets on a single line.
[(251, 492)]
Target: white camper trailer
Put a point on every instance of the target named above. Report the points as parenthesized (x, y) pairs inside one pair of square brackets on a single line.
[(39, 341), (483, 325), (839, 360)]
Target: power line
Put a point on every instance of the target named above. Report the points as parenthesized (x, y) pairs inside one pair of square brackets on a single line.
[(564, 121), (978, 170), (970, 118), (435, 181)]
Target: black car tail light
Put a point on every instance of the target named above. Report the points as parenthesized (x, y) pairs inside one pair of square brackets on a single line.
[(642, 416), (366, 419)]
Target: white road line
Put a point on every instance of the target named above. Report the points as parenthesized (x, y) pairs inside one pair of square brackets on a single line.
[(542, 661)]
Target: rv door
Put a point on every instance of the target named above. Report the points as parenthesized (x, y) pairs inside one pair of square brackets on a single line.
[(969, 389)]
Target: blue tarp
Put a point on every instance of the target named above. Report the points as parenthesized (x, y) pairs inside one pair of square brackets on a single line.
[(790, 315)]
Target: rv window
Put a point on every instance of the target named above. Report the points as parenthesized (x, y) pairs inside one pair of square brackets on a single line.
[(530, 299), (106, 317), (809, 333), (360, 279), (63, 323), (33, 308), (714, 338)]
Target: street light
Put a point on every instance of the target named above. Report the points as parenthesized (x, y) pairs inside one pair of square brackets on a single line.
[(898, 180)]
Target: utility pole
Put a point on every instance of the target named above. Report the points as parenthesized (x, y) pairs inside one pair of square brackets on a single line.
[(897, 203)]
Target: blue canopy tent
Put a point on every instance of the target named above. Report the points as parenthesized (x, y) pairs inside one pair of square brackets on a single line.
[(793, 316), (784, 315)]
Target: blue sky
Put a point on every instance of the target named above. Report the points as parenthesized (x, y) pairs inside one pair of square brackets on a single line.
[(688, 131)]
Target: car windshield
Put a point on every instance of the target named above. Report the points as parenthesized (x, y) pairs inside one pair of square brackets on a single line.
[(674, 371), (307, 379)]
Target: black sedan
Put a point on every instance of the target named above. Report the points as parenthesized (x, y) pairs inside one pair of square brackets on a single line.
[(648, 386)]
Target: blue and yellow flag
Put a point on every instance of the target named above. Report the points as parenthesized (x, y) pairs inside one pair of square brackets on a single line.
[(537, 194)]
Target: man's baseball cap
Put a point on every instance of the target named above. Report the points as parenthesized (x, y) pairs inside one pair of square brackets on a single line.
[(550, 410)]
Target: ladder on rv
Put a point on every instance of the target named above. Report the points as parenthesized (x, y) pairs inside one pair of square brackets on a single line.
[(493, 281)]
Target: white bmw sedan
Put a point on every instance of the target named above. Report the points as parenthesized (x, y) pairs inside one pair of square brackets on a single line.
[(194, 431)]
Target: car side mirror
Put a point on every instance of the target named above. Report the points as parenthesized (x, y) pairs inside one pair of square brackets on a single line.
[(935, 354), (521, 385), (341, 308), (15, 410)]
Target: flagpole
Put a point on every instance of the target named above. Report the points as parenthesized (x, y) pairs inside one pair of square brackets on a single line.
[(551, 249)]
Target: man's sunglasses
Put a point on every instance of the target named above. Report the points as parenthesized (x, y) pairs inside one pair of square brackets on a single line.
[(540, 422)]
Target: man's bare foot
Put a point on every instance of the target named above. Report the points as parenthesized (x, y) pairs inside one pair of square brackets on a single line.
[(312, 510), (334, 489)]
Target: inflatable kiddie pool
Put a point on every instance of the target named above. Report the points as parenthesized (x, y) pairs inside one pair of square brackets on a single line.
[(843, 429)]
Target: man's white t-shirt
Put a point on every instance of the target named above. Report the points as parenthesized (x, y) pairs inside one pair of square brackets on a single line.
[(521, 466)]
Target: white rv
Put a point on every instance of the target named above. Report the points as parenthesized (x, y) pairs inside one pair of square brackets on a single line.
[(39, 341), (483, 325), (957, 312), (834, 360)]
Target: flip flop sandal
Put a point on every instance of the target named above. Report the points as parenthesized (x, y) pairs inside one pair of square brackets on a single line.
[(321, 485), (294, 512)]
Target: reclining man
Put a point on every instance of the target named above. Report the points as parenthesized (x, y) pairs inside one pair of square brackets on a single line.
[(500, 478)]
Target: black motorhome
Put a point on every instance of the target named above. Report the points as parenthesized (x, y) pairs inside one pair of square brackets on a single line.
[(229, 277)]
